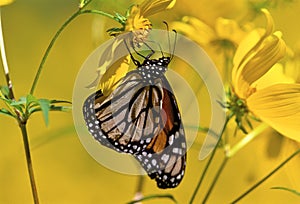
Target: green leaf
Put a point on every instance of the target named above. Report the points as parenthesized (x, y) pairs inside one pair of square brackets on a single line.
[(8, 101), (45, 107), (59, 101), (114, 31), (120, 18), (31, 99), (5, 91), (6, 112), (287, 189), (61, 108), (21, 101), (81, 3)]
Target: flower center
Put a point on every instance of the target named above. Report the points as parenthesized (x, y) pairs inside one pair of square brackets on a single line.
[(238, 109)]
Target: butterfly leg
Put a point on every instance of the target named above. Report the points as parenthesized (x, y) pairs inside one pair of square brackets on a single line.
[(137, 63)]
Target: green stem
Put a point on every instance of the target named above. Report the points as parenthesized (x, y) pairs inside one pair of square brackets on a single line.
[(266, 177), (231, 152), (4, 62), (227, 65), (208, 164), (220, 170), (29, 162), (69, 20), (99, 13), (248, 138)]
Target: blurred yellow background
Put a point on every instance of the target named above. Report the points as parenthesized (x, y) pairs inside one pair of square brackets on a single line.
[(64, 171)]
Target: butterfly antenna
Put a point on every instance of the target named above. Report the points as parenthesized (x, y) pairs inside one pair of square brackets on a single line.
[(175, 40), (169, 41), (156, 43)]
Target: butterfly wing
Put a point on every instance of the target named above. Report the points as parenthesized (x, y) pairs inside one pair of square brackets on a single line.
[(143, 119), (92, 122), (164, 159), (129, 117)]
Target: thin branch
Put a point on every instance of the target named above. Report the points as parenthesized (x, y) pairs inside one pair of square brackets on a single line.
[(4, 62), (266, 177), (29, 163), (66, 23), (220, 170), (208, 163)]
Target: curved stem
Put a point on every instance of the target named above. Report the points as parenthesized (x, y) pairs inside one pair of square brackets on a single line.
[(98, 13), (266, 177), (248, 138), (69, 20), (4, 62), (29, 162), (231, 152), (208, 163), (227, 65)]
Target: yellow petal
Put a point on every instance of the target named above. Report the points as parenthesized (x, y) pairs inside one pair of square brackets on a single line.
[(245, 51), (195, 29), (275, 75), (228, 29), (150, 7), (113, 75), (254, 39), (111, 72), (278, 106), (136, 21), (5, 2), (270, 22), (269, 52)]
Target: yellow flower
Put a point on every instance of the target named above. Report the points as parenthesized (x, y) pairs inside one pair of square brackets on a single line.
[(137, 23), (136, 17), (136, 20), (5, 2), (270, 97), (226, 34), (219, 41)]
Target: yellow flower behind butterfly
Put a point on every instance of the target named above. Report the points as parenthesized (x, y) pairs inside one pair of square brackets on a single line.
[(135, 21), (219, 41), (225, 35), (257, 86)]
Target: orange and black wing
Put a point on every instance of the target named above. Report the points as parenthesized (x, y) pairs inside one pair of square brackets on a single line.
[(129, 118), (143, 119), (164, 159)]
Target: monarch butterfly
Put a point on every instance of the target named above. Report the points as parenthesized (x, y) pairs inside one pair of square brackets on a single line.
[(141, 117)]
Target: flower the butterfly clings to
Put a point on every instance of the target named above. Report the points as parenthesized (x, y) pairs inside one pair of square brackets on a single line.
[(136, 22), (257, 89)]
